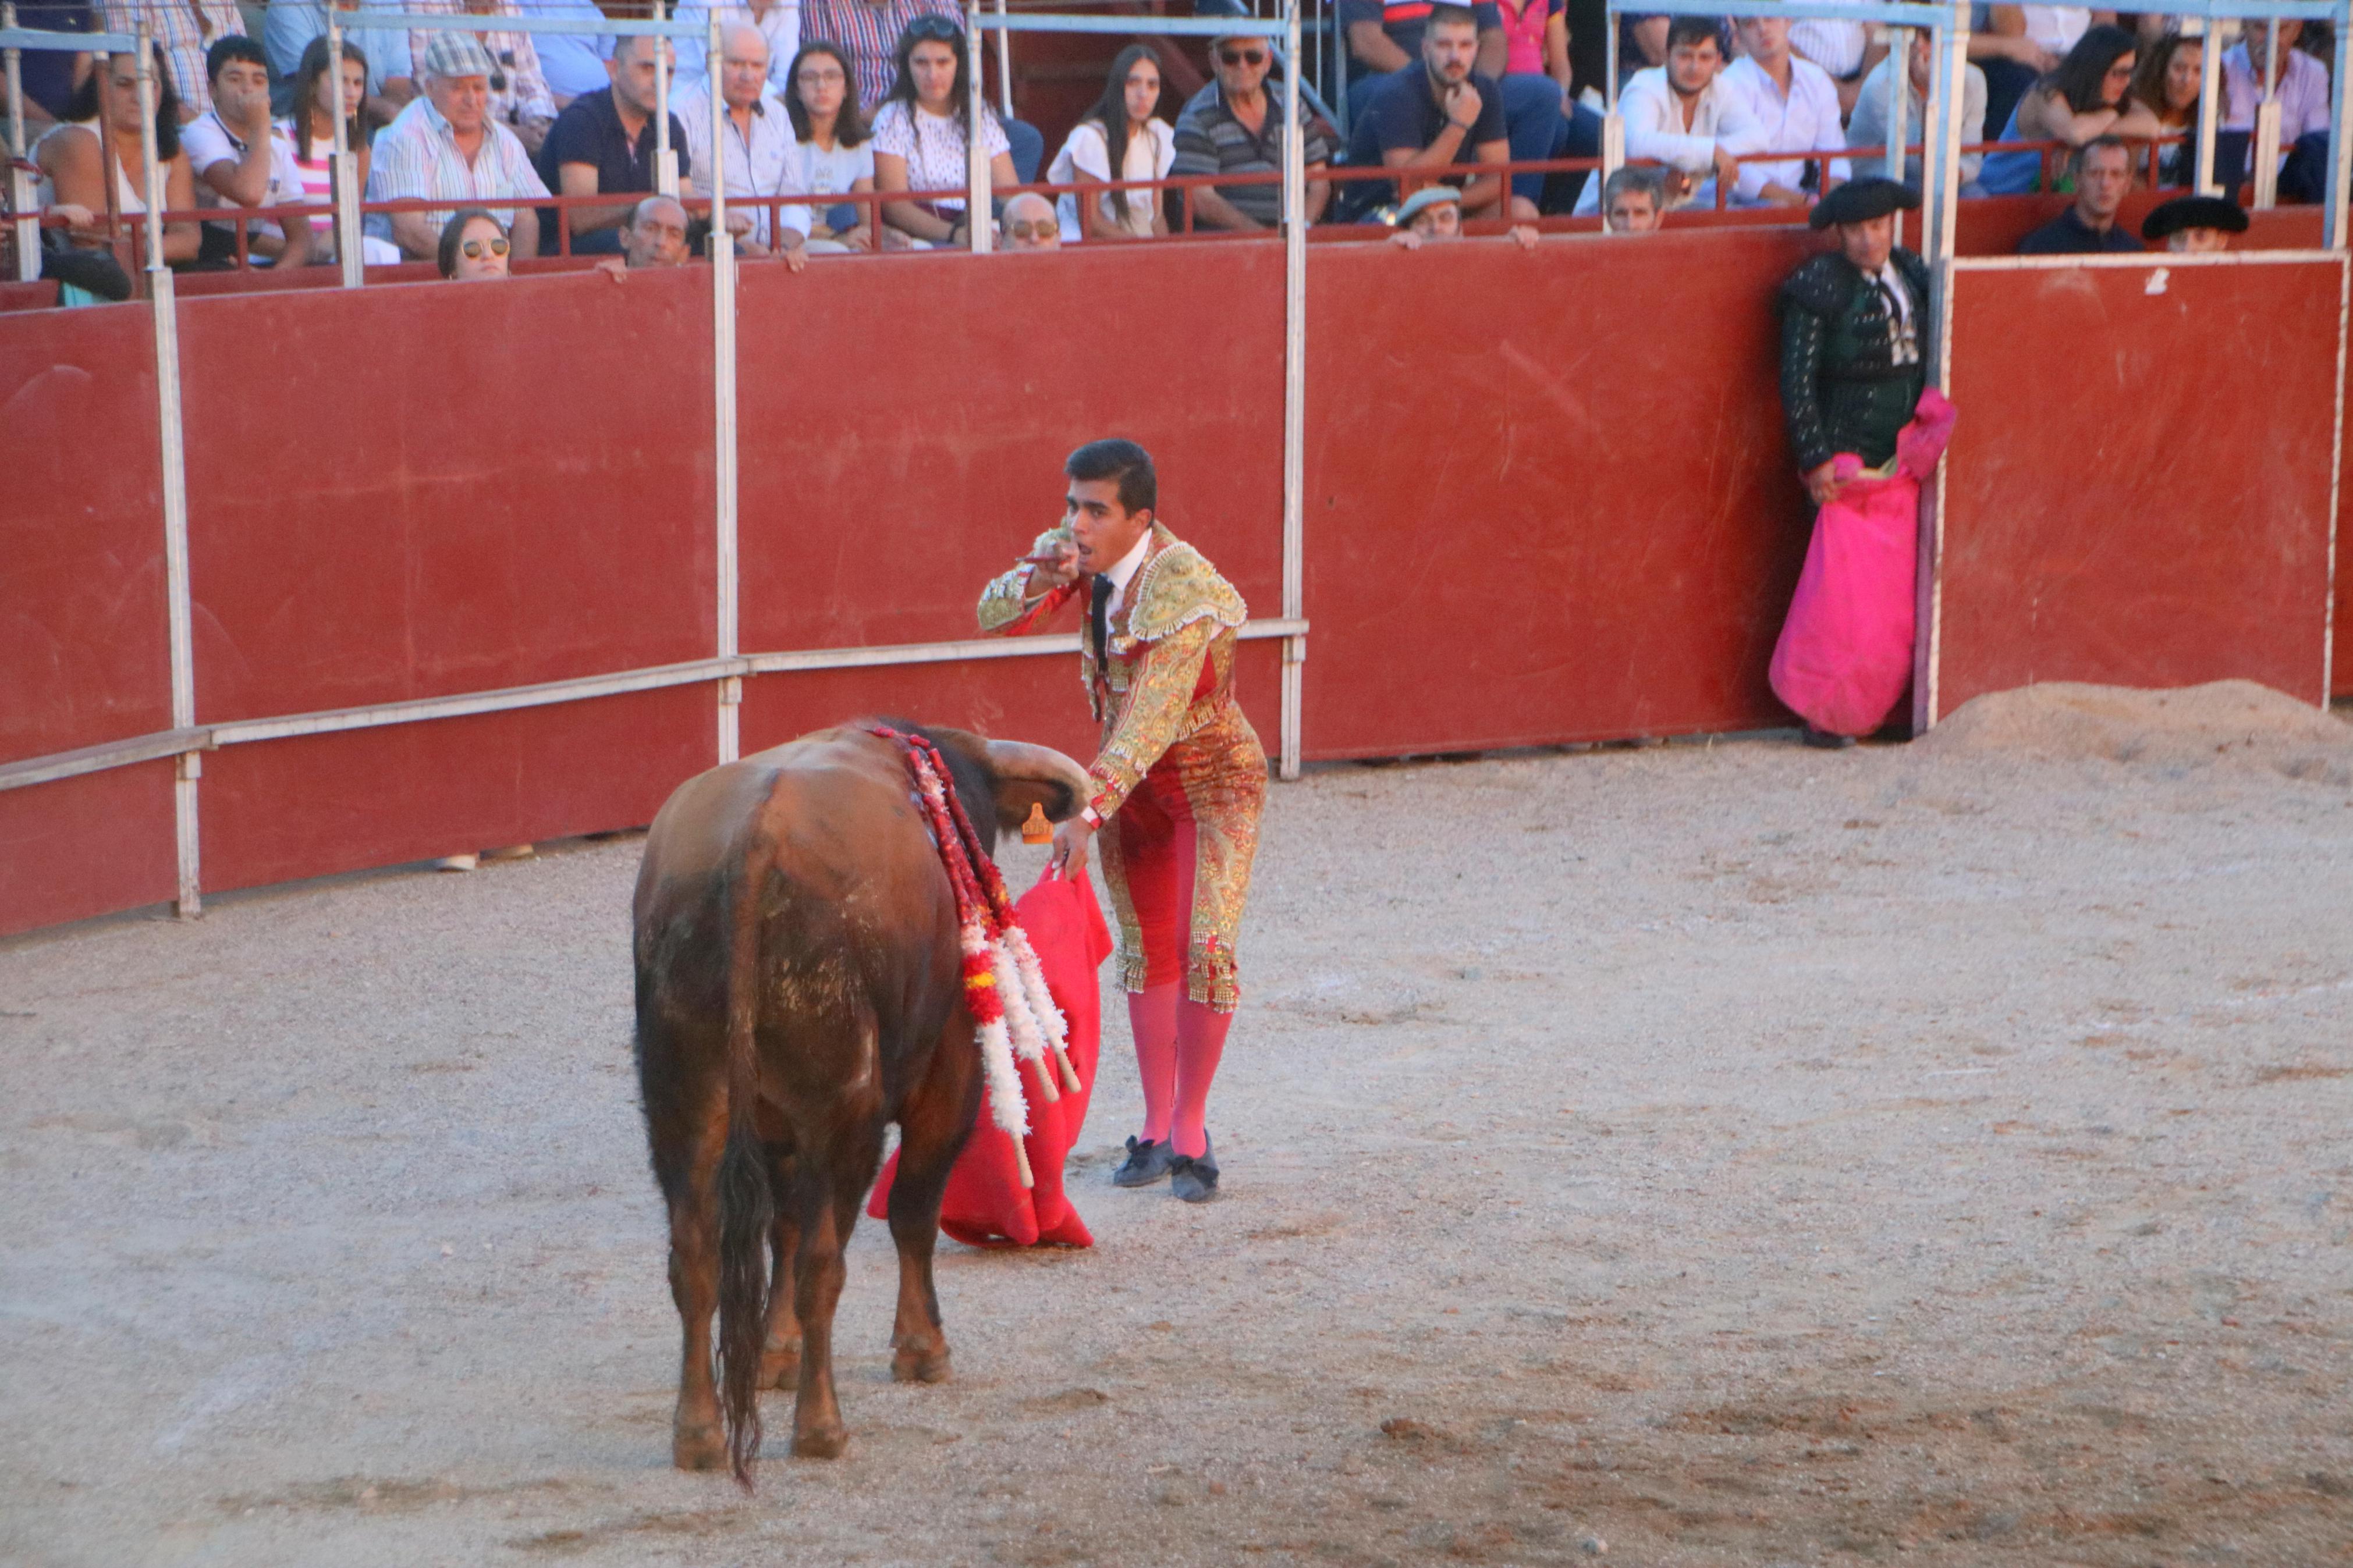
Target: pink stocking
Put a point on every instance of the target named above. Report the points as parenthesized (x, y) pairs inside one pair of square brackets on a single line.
[(1151, 1018), (1200, 1041)]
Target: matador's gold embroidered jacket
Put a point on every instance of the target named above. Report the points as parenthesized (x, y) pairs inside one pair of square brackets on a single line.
[(1171, 732)]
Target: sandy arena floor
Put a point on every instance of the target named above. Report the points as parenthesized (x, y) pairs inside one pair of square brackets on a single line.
[(1731, 1156)]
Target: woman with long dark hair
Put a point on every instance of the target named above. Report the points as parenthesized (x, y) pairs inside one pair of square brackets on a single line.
[(835, 155), (918, 134), (2169, 83), (2088, 96), (74, 165), (1120, 132), (310, 128)]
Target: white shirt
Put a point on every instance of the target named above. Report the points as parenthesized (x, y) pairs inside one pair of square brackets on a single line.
[(829, 171), (1654, 129), (1124, 572), (209, 142), (1806, 120), (1837, 46), (781, 25), (1087, 153), (758, 163), (1907, 332), (2056, 28)]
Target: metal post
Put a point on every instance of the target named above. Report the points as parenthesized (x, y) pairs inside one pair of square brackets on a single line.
[(1899, 86), (1940, 167), (665, 164), (2340, 139), (1004, 64), (165, 308), (980, 232), (723, 385), (2210, 102), (1613, 125), (20, 183), (1295, 394), (344, 183), (2267, 121)]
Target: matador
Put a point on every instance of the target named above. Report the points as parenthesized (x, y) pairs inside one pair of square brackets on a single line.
[(1178, 785)]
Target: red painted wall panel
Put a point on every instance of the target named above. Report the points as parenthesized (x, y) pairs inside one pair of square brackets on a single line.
[(87, 846), (277, 810), (905, 423), (1548, 498), (2138, 487), (85, 654), (430, 489)]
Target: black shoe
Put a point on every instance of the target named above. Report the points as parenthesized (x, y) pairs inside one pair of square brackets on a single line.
[(1146, 1162), (1193, 1178), (1827, 742)]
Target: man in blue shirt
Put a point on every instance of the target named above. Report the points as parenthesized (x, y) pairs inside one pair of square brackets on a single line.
[(603, 145), (1438, 114), (2102, 170)]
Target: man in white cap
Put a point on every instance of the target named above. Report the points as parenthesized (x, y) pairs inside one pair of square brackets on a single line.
[(445, 146)]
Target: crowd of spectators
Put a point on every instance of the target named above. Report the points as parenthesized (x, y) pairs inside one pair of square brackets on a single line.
[(839, 99)]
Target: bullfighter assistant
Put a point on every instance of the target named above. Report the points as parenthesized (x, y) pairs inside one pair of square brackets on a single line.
[(1177, 785)]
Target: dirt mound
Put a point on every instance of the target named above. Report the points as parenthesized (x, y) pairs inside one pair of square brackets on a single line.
[(2228, 723)]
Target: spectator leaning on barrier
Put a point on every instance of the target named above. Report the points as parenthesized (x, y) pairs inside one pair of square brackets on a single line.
[(1682, 115), (2102, 170), (182, 30), (1442, 115), (519, 97), (779, 23), (2302, 89), (1030, 224), (1634, 201), (445, 146), (50, 76), (757, 150), (2194, 225), (473, 246), (2167, 83), (73, 166), (1122, 132), (1234, 126), (289, 28), (656, 235), (919, 136), (603, 145), (1796, 107), (835, 156), (1866, 131), (1435, 213), (2088, 96), (241, 160)]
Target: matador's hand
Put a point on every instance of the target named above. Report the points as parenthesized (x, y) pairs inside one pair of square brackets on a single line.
[(1068, 855)]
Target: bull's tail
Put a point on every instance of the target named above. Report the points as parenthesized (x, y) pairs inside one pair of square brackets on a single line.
[(746, 1204)]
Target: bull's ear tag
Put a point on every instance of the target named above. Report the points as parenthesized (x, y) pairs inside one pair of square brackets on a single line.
[(1037, 830)]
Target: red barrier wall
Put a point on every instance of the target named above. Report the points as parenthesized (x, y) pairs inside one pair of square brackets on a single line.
[(512, 485), (1548, 497), (2138, 489), (84, 648)]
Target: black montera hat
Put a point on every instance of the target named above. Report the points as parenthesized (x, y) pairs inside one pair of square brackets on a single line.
[(2193, 212), (1859, 200)]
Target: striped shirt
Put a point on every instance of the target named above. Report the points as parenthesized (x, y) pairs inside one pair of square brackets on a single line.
[(418, 155), (183, 30), (1211, 140), (525, 95), (869, 34)]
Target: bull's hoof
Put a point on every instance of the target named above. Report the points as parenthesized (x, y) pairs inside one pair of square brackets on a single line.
[(780, 1366), (916, 1363), (698, 1448), (821, 1443)]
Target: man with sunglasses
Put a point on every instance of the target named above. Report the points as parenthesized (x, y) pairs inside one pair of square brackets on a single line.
[(1234, 126)]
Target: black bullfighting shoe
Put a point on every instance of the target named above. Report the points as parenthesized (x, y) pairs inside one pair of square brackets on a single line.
[(1193, 1178), (1146, 1162)]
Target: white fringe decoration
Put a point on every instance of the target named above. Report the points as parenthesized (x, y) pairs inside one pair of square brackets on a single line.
[(1029, 1040)]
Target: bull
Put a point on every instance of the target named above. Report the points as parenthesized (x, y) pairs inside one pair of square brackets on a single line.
[(799, 986)]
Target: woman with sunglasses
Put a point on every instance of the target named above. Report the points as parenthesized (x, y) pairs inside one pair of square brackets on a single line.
[(1120, 132), (473, 246), (918, 134)]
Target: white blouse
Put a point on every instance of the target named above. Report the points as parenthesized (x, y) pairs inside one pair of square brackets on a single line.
[(1087, 154)]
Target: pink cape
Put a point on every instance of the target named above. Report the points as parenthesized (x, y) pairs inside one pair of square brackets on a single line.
[(985, 1204), (1845, 653)]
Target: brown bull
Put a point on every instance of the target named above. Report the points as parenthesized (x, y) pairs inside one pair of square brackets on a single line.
[(799, 986)]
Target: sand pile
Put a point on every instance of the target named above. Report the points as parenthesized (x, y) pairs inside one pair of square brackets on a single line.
[(2229, 724)]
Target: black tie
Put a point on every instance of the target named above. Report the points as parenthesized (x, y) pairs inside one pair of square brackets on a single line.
[(1098, 616)]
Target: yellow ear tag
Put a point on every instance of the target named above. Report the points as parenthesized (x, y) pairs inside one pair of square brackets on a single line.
[(1037, 830)]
